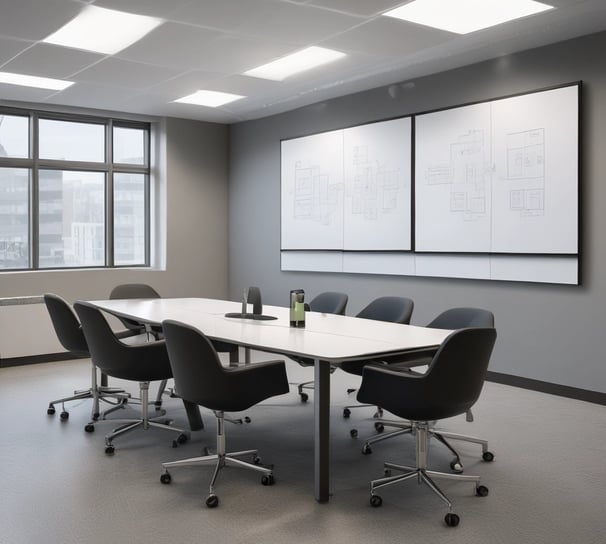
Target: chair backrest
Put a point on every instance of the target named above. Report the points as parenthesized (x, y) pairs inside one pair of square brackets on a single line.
[(461, 318), (451, 385), (392, 309), (139, 362), (133, 290), (456, 374), (198, 373), (66, 325), (329, 302)]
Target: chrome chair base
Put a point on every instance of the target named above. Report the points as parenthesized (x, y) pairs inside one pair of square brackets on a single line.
[(423, 475), (220, 460)]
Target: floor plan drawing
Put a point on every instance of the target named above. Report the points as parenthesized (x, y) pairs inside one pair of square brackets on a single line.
[(315, 197)]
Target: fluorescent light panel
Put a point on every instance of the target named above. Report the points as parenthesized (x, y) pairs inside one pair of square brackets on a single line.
[(293, 64), (212, 99), (464, 16), (103, 30), (34, 81)]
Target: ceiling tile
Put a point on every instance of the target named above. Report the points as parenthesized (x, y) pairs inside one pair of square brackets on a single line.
[(92, 96), (122, 73), (33, 19), (173, 45), (397, 38), (358, 7), (48, 60), (153, 8), (10, 47), (297, 24)]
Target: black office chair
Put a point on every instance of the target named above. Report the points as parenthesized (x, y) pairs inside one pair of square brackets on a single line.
[(142, 363), (136, 290), (200, 378), (390, 309), (70, 335), (329, 302), (454, 318), (451, 385)]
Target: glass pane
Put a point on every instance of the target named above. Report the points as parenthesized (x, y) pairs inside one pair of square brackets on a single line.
[(70, 141), (129, 145), (72, 218), (129, 219), (14, 136), (14, 218)]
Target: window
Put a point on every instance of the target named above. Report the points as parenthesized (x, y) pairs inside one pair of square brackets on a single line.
[(74, 191)]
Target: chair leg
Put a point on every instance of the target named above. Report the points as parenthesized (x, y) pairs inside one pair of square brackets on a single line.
[(423, 475), (127, 425), (220, 460)]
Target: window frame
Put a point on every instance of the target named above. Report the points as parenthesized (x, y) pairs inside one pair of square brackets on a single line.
[(108, 167)]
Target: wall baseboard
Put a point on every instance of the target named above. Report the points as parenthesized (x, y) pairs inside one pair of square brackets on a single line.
[(546, 387), (36, 359)]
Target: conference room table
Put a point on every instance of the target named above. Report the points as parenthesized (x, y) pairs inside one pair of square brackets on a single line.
[(327, 339)]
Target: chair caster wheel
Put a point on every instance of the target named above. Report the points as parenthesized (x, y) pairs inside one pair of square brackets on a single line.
[(304, 397), (268, 479), (212, 501), (451, 519), (205, 451), (89, 428), (482, 491), (256, 460), (64, 416), (51, 410), (375, 501), (109, 450), (182, 438), (247, 419), (366, 449), (378, 413), (165, 478), (353, 433), (488, 456), (387, 473), (456, 466), (379, 427), (96, 416), (346, 413)]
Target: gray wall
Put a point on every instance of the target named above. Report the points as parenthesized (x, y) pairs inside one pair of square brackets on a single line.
[(194, 156), (546, 332)]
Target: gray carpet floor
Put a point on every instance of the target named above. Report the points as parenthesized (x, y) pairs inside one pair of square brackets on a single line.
[(547, 482)]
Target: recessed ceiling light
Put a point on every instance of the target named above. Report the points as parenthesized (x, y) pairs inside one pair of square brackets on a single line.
[(34, 81), (103, 30), (212, 99), (464, 16), (297, 62)]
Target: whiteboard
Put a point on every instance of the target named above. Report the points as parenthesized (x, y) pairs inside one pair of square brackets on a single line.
[(500, 176), (348, 189)]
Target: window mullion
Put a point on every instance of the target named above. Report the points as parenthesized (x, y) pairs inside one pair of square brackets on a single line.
[(109, 195), (34, 197)]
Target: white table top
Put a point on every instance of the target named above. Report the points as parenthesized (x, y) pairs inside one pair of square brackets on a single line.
[(326, 336)]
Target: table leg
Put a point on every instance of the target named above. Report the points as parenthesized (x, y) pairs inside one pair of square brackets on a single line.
[(322, 430)]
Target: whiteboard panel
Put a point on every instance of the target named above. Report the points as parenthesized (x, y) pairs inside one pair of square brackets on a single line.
[(453, 266), (311, 261), (535, 183), (312, 192), (377, 174), (499, 177), (401, 264), (541, 268), (452, 180)]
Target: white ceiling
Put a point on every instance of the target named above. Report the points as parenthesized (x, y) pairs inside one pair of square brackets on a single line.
[(209, 43)]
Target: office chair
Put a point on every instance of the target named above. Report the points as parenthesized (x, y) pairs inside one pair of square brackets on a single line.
[(70, 335), (142, 363), (201, 378), (454, 318), (390, 309), (329, 302), (451, 385)]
